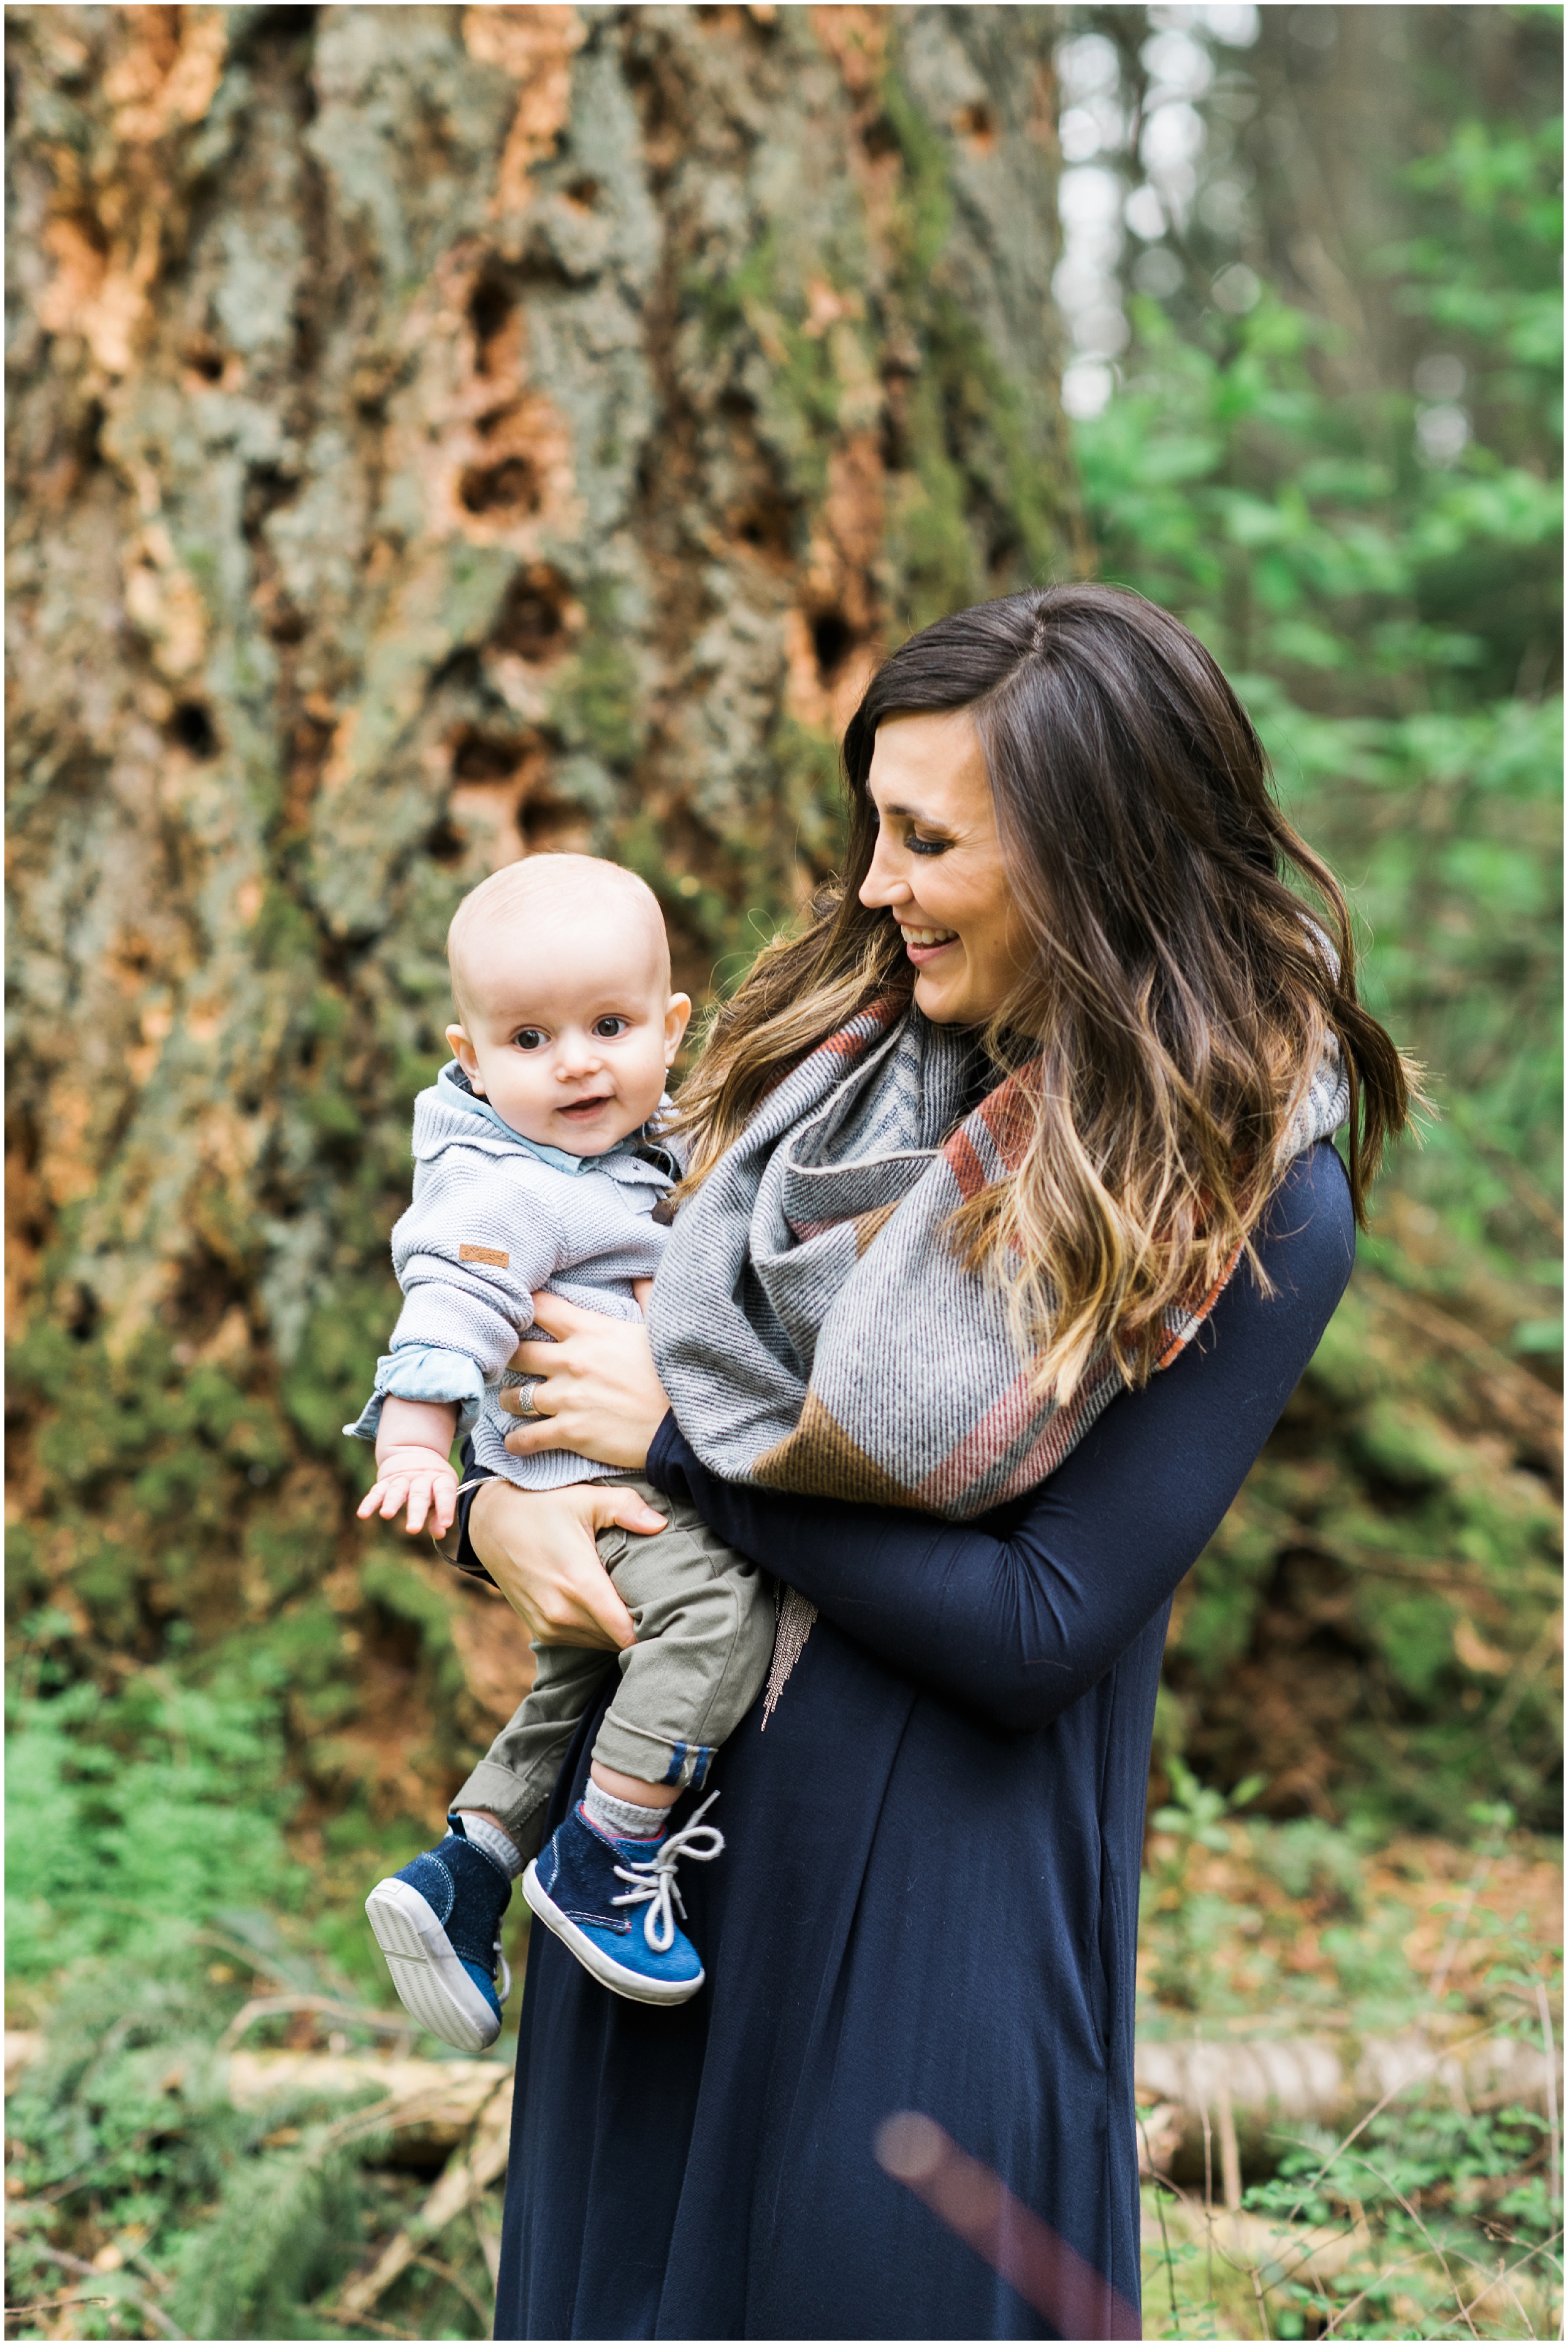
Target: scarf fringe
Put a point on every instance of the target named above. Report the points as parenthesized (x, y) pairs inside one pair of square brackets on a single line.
[(796, 1614)]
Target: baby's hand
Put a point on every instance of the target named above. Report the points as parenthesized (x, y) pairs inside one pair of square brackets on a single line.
[(421, 1479)]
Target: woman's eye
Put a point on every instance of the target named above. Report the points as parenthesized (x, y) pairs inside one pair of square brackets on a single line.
[(928, 846), (527, 1038), (607, 1029)]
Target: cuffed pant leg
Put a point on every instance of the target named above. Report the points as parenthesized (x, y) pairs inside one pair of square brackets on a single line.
[(517, 1774), (705, 1621)]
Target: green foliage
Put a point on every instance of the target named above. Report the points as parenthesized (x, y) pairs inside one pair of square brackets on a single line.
[(1391, 622), (240, 2221), (128, 1814), (1457, 2207), (1194, 1817), (277, 2240), (327, 1382), (145, 1833), (1431, 2223), (1195, 1810), (1311, 1858)]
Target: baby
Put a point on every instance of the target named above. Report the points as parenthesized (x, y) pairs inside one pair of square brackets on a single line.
[(533, 1169)]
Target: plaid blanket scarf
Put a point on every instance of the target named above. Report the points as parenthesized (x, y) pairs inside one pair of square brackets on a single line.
[(811, 1326), (813, 1330)]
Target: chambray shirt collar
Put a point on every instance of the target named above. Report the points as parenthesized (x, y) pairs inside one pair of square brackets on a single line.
[(456, 1092)]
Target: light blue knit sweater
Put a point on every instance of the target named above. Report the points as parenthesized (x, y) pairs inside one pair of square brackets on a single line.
[(495, 1218)]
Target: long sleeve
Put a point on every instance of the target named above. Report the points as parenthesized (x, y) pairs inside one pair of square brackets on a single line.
[(1016, 1621), (470, 1253)]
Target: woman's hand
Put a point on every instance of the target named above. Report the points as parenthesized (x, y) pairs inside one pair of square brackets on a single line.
[(538, 1547), (597, 1390)]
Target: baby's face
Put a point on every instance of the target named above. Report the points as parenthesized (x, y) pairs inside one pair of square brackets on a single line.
[(570, 1032)]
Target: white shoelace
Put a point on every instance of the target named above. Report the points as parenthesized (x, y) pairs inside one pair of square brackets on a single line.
[(653, 1883)]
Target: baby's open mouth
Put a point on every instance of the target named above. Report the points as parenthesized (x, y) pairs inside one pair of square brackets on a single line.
[(583, 1109)]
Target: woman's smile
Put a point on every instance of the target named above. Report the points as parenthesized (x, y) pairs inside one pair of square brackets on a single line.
[(923, 945)]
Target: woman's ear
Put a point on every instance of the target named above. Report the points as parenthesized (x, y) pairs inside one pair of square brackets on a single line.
[(463, 1051), (677, 1017)]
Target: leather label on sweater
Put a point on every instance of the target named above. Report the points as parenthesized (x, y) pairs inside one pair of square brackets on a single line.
[(492, 1254)]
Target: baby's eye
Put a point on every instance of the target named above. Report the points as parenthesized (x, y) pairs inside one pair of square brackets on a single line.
[(606, 1030), (529, 1038)]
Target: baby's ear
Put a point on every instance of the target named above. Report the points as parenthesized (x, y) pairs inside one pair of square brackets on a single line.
[(463, 1051), (677, 1017)]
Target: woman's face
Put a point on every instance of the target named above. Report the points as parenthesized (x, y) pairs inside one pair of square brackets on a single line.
[(938, 866)]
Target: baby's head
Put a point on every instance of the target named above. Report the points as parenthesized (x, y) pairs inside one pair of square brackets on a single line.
[(561, 974)]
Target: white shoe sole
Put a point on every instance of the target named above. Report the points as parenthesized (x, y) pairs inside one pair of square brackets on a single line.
[(433, 1985), (592, 1958)]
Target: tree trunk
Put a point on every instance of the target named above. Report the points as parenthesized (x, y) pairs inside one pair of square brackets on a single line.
[(437, 434)]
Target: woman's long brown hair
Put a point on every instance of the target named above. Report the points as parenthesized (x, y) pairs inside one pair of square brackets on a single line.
[(1181, 992)]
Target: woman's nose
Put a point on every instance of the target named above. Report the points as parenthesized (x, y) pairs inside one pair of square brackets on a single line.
[(881, 885)]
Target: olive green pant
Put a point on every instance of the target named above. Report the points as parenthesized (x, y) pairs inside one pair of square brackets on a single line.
[(705, 1619)]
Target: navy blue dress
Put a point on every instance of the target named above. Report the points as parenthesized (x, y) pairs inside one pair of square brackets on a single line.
[(929, 1897)]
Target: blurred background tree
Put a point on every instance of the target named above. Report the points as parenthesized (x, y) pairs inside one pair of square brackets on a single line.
[(441, 433)]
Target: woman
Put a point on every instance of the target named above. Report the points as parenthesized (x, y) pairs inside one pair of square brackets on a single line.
[(1064, 891)]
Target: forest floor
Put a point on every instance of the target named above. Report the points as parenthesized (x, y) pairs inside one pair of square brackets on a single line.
[(1422, 1975), (183, 2160)]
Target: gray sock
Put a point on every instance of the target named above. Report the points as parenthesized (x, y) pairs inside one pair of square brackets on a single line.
[(621, 1819), (494, 1843)]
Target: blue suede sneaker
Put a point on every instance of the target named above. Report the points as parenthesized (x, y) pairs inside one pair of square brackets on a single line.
[(438, 1923), (611, 1902)]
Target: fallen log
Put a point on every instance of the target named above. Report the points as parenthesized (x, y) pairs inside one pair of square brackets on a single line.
[(441, 2097), (1247, 2094), (1251, 2090), (1250, 2093), (468, 2172), (1275, 2250)]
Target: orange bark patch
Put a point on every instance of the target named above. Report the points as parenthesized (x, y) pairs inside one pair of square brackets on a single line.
[(164, 602), (853, 514), (825, 306), (804, 695), (26, 1222), (498, 788), (494, 456), (100, 291), (163, 74), (66, 1170), (168, 71), (509, 476), (857, 41), (80, 261), (535, 46)]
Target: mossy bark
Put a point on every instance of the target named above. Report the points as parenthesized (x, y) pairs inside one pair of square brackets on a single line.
[(436, 434)]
